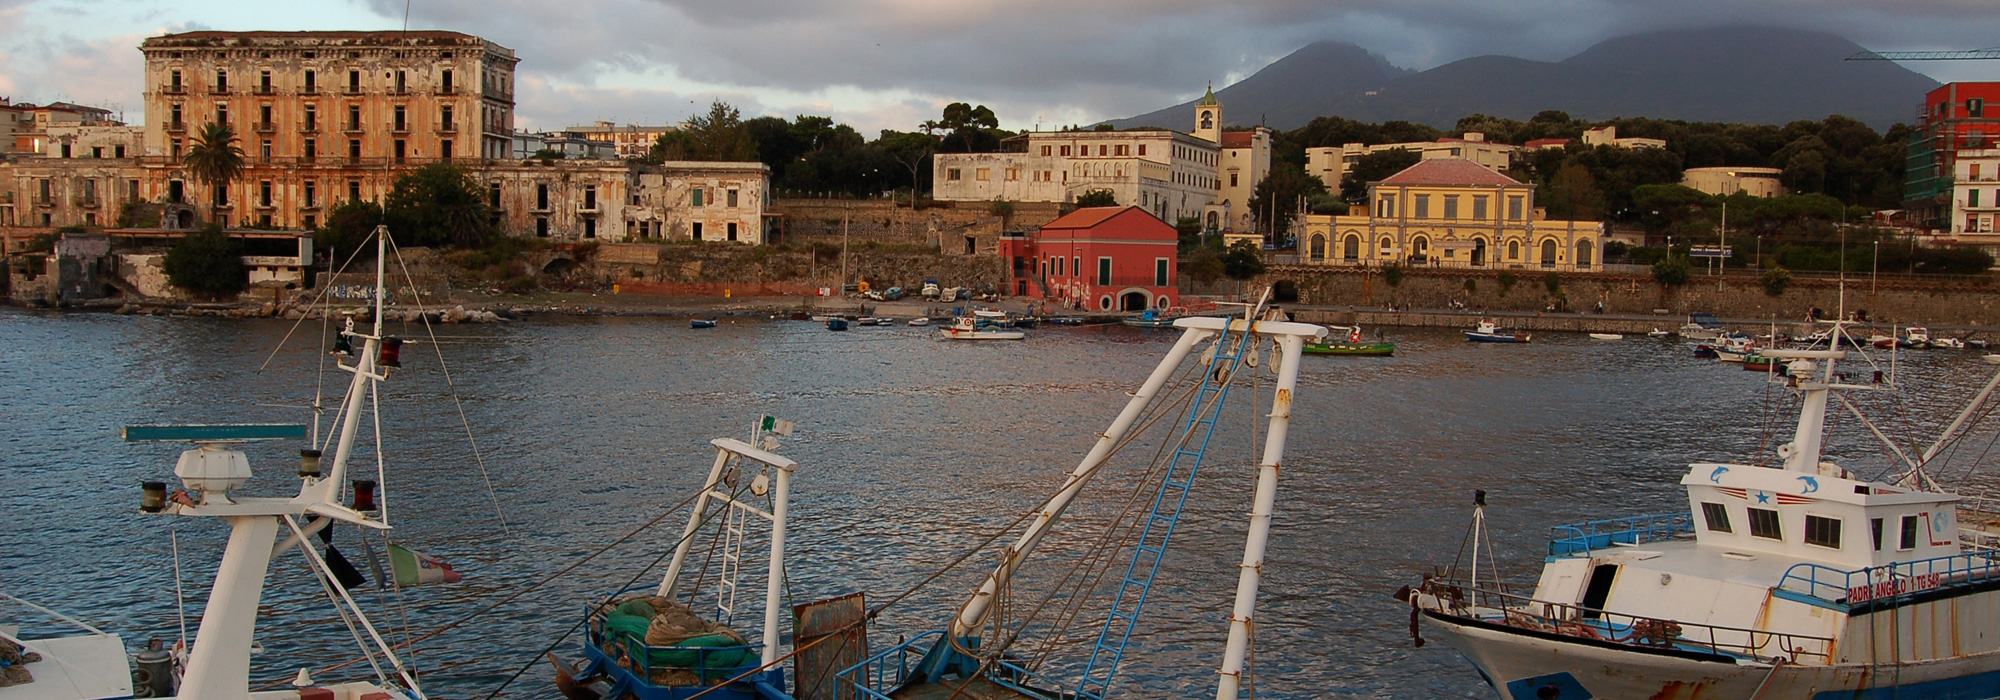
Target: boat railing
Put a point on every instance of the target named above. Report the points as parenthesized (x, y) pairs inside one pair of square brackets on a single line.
[(706, 664), (1583, 538), (1523, 612), (1851, 587), (888, 669)]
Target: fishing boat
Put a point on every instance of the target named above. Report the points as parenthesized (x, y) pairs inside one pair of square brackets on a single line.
[(1155, 318), (676, 640), (974, 328), (1658, 333), (1759, 362), (1349, 343), (1734, 348), (1915, 337), (1067, 321), (920, 321), (1798, 578), (702, 323), (836, 323), (1489, 332), (1701, 326), (1946, 343), (212, 479), (1606, 336)]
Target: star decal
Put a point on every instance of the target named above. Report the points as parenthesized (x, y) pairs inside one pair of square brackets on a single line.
[(1763, 497)]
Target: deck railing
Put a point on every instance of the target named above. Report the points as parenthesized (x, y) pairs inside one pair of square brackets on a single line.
[(887, 669), (1582, 538), (1523, 612), (1845, 587)]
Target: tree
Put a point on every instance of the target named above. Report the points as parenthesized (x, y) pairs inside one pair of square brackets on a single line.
[(1242, 261), (439, 204), (1189, 230), (674, 144), (1671, 271), (1775, 280), (913, 151), (1373, 168), (206, 262), (216, 161), (347, 227), (1573, 195), (1204, 265), (718, 135), (1097, 198), (1280, 195)]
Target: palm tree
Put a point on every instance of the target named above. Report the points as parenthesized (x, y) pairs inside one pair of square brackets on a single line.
[(215, 160)]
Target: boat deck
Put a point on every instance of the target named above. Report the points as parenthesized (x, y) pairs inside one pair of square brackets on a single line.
[(977, 689), (87, 667)]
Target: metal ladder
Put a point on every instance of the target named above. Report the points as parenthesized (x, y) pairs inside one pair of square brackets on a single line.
[(732, 562), (1162, 518)]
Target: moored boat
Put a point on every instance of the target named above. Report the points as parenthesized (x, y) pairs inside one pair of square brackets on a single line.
[(1489, 332), (1606, 336), (1155, 318), (974, 328), (702, 323), (1346, 340), (1794, 580), (836, 323), (1702, 326)]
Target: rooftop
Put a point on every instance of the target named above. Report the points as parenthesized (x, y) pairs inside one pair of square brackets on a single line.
[(1448, 171), (1087, 217), (217, 39)]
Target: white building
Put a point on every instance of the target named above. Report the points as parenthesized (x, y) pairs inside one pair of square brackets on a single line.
[(1975, 197), (1608, 136), (1722, 181), (1332, 164), (1210, 173)]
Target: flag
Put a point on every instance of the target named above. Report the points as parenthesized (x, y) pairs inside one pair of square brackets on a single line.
[(414, 568), (780, 426)]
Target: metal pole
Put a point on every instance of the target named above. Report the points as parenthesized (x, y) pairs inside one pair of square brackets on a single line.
[(781, 499), (1251, 570), (843, 247)]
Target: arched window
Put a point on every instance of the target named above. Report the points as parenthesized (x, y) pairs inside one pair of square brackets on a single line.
[(1584, 252), (1513, 250), (1213, 220), (1386, 245), (1351, 249), (1549, 252), (1478, 251), (1207, 119), (1318, 250)]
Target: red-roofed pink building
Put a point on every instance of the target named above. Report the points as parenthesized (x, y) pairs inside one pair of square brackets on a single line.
[(1100, 258), (1446, 212)]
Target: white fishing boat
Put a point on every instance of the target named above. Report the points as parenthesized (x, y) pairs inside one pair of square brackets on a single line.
[(1606, 336), (920, 321), (980, 328), (1702, 326), (1796, 580), (1490, 332), (1734, 348), (1658, 333)]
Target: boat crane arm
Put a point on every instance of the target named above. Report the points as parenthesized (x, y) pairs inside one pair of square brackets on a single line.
[(972, 615)]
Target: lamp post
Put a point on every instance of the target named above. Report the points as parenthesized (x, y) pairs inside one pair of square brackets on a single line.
[(1874, 270)]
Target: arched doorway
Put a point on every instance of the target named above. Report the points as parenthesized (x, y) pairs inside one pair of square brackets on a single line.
[(1351, 248), (1549, 252), (1478, 251), (1213, 221), (559, 267), (1134, 301), (1318, 249), (1585, 253), (1420, 249)]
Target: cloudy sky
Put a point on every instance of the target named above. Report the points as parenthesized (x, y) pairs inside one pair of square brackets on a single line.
[(892, 63)]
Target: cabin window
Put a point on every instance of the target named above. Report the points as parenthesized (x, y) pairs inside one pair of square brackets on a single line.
[(1717, 516), (1824, 532), (1875, 529), (1908, 539), (1764, 523)]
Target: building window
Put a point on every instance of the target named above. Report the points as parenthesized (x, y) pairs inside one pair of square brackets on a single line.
[(1823, 532), (1975, 107), (174, 81), (1971, 195), (1013, 174), (1160, 267), (1422, 206), (1514, 208), (222, 81), (732, 199), (444, 84), (1045, 151), (1232, 179), (1142, 149), (1451, 206), (264, 193), (1513, 250), (311, 194), (1479, 208), (118, 151), (444, 149), (222, 114), (264, 82), (65, 150), (400, 121), (444, 117), (312, 118), (176, 148), (542, 196), (354, 190), (589, 196), (311, 222), (312, 81), (1065, 150), (354, 81), (1908, 537), (1764, 523), (541, 227), (982, 174), (402, 82), (310, 149), (1104, 271), (951, 174), (354, 117), (132, 190), (1875, 532), (695, 230), (695, 197), (732, 230), (264, 150), (1059, 266), (354, 149), (1124, 150), (175, 120), (1717, 517), (589, 228), (493, 195)]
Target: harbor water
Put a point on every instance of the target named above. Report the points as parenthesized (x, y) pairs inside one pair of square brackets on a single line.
[(912, 451)]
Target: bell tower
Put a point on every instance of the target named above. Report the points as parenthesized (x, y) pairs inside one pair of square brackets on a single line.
[(1208, 117)]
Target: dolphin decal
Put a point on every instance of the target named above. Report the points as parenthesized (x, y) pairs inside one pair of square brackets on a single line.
[(1716, 476), (1812, 484)]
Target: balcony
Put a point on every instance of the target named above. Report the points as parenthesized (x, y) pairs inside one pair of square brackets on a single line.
[(6, 198), (265, 127), (351, 90), (219, 90), (352, 129), (448, 128), (310, 90), (403, 128), (446, 90), (264, 90), (176, 127), (87, 201), (309, 128), (173, 90)]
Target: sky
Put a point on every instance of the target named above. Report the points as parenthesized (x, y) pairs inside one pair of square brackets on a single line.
[(890, 64)]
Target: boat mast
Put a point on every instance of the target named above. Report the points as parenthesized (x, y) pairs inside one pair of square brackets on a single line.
[(1290, 338)]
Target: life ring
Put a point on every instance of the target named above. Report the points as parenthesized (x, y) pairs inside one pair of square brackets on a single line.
[(1355, 336)]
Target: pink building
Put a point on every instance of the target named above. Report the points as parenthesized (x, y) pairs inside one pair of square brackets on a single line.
[(1101, 258)]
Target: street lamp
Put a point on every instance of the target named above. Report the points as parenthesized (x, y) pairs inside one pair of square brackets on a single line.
[(1876, 269)]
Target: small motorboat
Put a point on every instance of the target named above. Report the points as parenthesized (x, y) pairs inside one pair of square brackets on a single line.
[(1754, 362), (702, 323), (1947, 343), (1658, 333), (1351, 344), (920, 321), (1489, 332), (836, 323), (1976, 343), (876, 321), (1882, 342), (975, 328), (1606, 336), (1734, 348), (1704, 351), (1155, 318)]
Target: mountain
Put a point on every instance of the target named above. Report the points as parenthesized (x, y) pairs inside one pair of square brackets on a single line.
[(1333, 69), (1758, 75)]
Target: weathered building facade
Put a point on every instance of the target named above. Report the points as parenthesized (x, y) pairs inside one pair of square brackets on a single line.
[(620, 201), (1452, 213)]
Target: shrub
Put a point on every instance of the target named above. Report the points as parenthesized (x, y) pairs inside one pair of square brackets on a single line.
[(1775, 280), (1393, 274), (1671, 271), (1471, 286), (1553, 282), (1507, 281), (206, 262)]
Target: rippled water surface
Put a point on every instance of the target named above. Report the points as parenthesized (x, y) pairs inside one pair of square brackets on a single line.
[(912, 451)]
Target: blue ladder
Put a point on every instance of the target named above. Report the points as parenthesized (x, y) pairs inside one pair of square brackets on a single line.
[(1160, 520)]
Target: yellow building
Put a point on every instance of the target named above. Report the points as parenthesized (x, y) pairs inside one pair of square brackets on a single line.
[(1452, 213)]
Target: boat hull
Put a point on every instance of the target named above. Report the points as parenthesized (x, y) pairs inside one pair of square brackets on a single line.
[(955, 334), (1478, 337), (1522, 665), (1148, 323), (1350, 349)]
